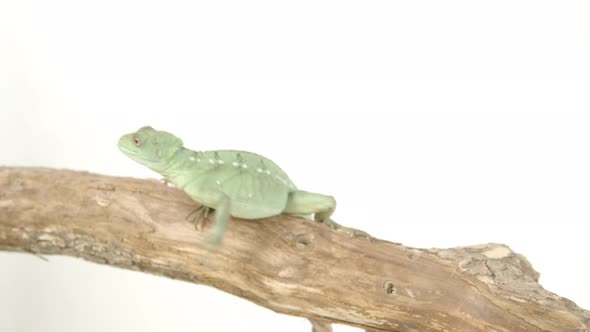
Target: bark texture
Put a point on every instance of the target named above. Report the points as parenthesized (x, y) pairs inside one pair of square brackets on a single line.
[(286, 264)]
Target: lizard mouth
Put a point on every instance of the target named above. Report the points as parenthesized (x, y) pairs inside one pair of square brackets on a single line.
[(122, 144), (127, 151), (126, 146), (130, 150)]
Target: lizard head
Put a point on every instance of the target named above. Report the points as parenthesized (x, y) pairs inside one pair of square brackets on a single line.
[(150, 147)]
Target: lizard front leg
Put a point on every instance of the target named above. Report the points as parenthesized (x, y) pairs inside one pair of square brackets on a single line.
[(221, 204), (202, 216)]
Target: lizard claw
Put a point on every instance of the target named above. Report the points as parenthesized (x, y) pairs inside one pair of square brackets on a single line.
[(202, 216)]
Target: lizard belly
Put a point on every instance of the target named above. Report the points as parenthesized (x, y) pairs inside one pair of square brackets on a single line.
[(251, 196), (249, 211), (254, 197)]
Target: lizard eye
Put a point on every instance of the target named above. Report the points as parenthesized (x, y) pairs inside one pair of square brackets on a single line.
[(137, 141)]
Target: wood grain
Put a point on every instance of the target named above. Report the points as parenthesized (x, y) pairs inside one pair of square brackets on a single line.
[(286, 264)]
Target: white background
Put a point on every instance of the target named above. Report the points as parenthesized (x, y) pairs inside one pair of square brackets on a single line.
[(434, 124)]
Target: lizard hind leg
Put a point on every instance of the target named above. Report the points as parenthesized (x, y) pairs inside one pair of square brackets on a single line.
[(306, 203), (322, 207)]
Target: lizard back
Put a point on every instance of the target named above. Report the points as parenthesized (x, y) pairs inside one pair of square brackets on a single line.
[(257, 187)]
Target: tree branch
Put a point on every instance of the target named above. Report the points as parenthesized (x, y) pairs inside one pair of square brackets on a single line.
[(286, 264)]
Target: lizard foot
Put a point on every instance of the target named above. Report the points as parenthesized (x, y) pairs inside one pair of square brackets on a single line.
[(202, 216), (352, 232)]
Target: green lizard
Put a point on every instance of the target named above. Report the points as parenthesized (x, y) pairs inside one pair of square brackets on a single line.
[(234, 183)]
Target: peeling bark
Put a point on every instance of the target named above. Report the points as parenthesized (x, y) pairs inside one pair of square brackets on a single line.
[(286, 264)]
